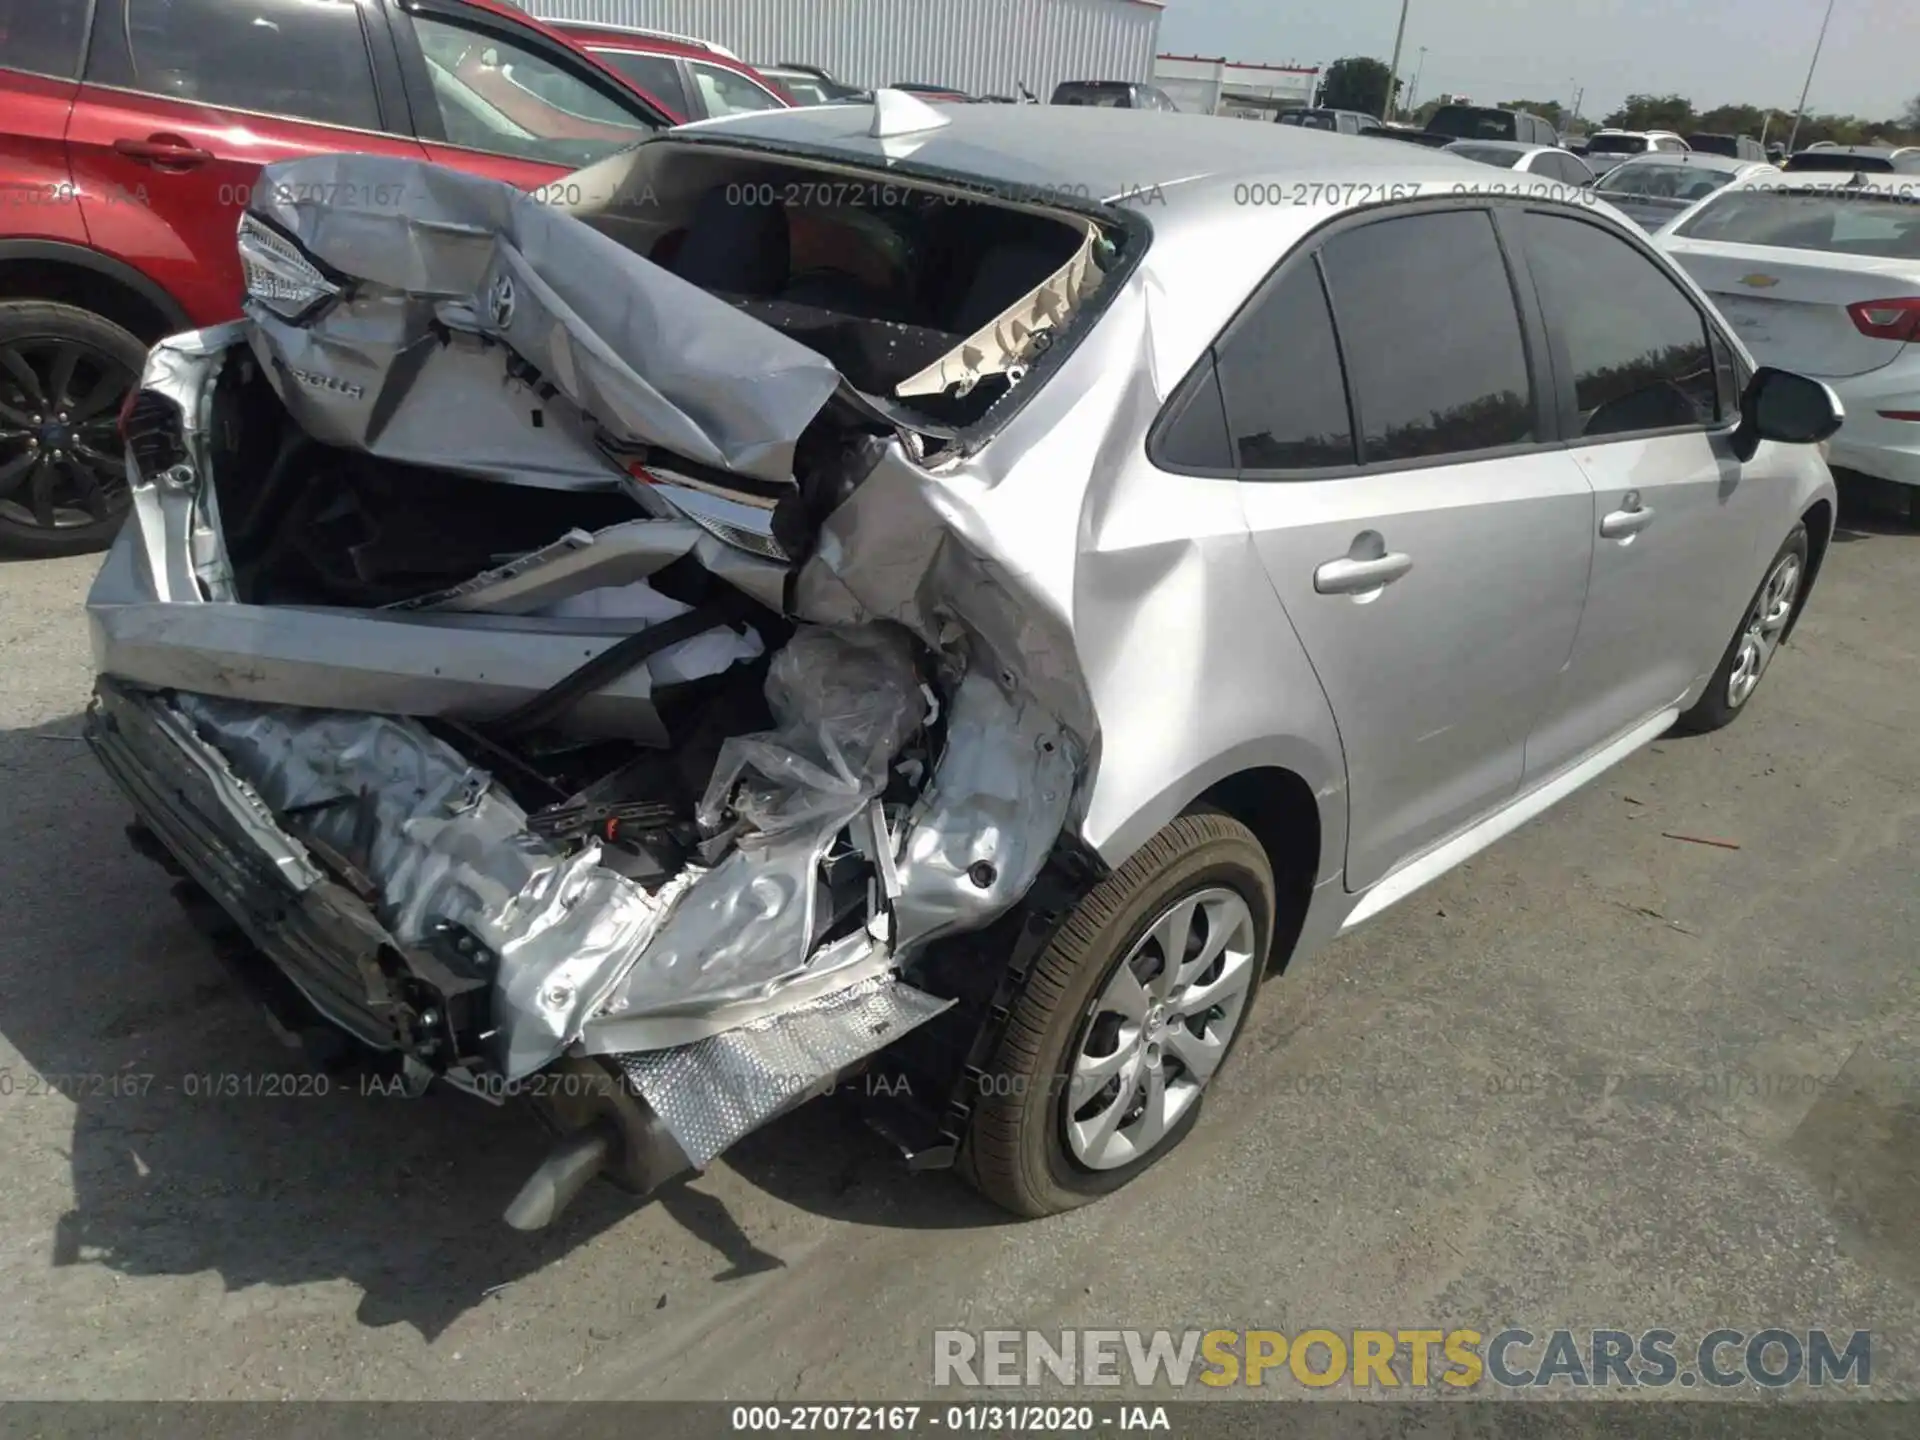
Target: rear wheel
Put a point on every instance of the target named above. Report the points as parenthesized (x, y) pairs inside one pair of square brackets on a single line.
[(1757, 640), (1128, 1015), (63, 475)]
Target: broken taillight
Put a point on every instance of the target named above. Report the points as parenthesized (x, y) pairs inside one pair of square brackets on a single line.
[(1897, 319)]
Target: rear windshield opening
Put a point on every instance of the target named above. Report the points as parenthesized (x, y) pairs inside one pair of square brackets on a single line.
[(1617, 145), (898, 284), (1886, 226)]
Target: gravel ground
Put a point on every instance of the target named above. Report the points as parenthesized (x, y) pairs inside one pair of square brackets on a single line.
[(1597, 1077)]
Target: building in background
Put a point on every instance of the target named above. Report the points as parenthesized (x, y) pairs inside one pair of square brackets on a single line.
[(1220, 86), (983, 47)]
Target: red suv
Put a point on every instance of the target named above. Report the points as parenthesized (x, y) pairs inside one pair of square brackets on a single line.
[(701, 82), (131, 132)]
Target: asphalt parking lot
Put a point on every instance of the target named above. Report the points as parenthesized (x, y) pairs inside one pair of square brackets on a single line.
[(1597, 1077)]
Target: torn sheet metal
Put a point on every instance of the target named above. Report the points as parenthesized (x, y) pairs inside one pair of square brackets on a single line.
[(178, 516), (711, 1093), (984, 826), (846, 701), (651, 358), (443, 844), (1009, 342), (578, 561)]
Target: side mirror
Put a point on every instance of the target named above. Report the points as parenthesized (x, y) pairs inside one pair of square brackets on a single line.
[(1780, 405)]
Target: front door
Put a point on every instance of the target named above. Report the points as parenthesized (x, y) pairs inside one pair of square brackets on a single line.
[(1429, 546), (1678, 520)]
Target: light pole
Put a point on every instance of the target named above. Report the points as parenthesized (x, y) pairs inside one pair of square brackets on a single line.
[(1802, 110), (1393, 70), (1413, 87)]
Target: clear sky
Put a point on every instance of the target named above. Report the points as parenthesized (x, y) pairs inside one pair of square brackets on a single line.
[(1712, 51)]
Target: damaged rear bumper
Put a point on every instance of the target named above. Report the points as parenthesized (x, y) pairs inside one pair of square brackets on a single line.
[(437, 993)]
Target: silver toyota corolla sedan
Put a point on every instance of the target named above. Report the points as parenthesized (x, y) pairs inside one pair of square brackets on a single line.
[(932, 602)]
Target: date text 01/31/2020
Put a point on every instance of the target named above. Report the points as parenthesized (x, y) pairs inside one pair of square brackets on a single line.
[(988, 1418)]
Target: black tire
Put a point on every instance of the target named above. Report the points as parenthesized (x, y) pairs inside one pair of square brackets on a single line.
[(75, 505), (1016, 1152), (1716, 706)]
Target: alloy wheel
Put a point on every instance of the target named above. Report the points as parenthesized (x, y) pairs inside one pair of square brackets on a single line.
[(1159, 1029), (62, 461), (1766, 622)]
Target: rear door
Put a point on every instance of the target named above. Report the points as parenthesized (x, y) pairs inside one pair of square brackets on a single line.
[(502, 99), (1425, 533), (185, 100), (40, 44), (1649, 399)]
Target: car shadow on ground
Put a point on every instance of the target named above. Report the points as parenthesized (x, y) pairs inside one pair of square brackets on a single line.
[(197, 1142), (1870, 507)]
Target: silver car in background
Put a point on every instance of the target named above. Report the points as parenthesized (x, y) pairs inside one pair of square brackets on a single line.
[(958, 591), (1652, 189)]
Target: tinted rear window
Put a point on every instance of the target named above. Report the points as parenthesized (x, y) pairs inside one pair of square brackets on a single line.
[(1715, 144), (42, 36), (1831, 160), (1473, 122), (1487, 155), (1883, 225), (1430, 336), (1310, 119), (1113, 96), (1618, 145), (655, 74)]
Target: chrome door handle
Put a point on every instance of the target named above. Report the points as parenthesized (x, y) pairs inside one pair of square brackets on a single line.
[(1620, 524), (1347, 576)]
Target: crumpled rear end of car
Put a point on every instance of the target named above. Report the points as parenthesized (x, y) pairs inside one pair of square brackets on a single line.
[(555, 666)]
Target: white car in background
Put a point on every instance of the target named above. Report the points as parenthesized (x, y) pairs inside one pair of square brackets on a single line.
[(1822, 276), (1607, 148), (1548, 161), (1653, 189)]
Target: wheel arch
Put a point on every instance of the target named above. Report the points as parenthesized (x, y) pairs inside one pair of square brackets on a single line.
[(1820, 519), (64, 274)]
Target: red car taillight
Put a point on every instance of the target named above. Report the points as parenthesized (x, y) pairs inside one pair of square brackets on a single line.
[(1887, 319)]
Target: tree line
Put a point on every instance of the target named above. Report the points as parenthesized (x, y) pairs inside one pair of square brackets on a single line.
[(1359, 82)]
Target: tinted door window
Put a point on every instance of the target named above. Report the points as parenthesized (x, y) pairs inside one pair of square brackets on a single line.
[(1430, 336), (302, 58), (1636, 346), (497, 95), (1280, 379), (42, 36), (658, 75)]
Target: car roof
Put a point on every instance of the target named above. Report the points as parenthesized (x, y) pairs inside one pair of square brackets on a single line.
[(585, 33), (1091, 153)]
